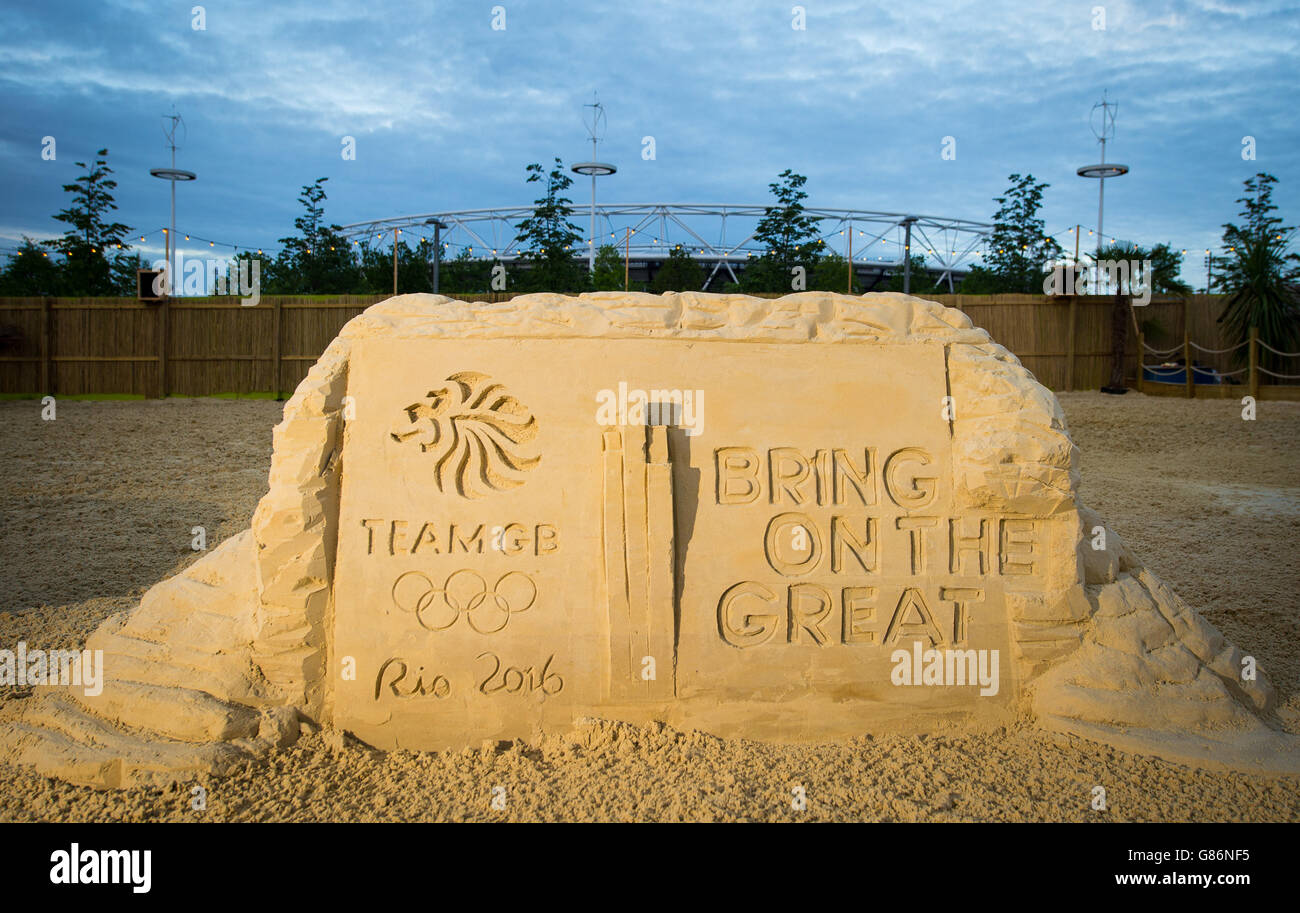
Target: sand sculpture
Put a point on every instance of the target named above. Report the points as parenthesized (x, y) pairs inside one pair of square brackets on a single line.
[(796, 519)]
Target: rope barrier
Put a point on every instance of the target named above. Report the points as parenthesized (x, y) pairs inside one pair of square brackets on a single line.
[(1173, 369), (1154, 351), (1218, 351), (1265, 345), (1169, 371)]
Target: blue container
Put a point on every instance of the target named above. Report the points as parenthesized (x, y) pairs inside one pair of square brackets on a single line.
[(1177, 374)]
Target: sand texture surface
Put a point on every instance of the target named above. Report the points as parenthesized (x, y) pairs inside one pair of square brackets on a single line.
[(100, 504)]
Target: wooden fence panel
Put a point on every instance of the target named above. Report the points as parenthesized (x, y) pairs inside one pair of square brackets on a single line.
[(218, 346), (22, 322)]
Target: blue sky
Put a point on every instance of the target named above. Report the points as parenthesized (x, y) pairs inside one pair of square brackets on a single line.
[(447, 111)]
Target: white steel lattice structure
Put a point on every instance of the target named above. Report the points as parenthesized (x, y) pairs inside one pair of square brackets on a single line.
[(719, 235)]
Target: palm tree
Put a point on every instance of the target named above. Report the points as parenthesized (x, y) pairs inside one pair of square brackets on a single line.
[(1161, 278), (1260, 277)]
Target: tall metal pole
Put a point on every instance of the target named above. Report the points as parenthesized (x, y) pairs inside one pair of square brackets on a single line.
[(171, 231), (437, 253), (850, 291), (1078, 230), (1101, 172), (172, 174), (594, 169), (627, 253), (394, 261), (1101, 197), (907, 256)]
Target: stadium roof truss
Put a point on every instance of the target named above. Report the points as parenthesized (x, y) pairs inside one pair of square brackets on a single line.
[(716, 234)]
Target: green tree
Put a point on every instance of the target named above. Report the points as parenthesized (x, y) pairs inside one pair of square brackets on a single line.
[(414, 269), (679, 273), (31, 271), (86, 269), (787, 236), (1260, 276), (235, 274), (465, 275), (831, 274), (1019, 250), (122, 271), (1166, 266), (980, 280), (318, 260), (608, 274), (921, 281), (547, 237)]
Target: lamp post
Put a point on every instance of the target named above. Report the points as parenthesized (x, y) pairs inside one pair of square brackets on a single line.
[(172, 175), (1103, 170), (595, 169), (1121, 310), (437, 248)]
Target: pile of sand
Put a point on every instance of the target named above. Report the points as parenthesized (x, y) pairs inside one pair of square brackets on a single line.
[(1211, 503)]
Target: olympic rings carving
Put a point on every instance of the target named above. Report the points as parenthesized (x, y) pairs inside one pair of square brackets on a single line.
[(487, 610)]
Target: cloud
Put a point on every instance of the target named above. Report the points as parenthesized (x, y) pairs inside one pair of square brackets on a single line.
[(447, 111)]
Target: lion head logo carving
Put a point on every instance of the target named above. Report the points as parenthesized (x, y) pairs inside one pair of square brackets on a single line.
[(477, 434)]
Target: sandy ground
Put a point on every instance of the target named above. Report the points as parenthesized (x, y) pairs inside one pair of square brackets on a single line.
[(99, 505)]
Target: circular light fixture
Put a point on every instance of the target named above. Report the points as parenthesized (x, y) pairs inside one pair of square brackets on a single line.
[(1107, 170), (173, 174), (597, 169)]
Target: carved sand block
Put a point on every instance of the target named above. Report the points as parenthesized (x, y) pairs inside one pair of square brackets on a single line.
[(798, 519)]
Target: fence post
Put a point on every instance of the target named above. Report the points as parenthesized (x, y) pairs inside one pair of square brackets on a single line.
[(1254, 362), (163, 313), (1187, 365), (276, 351), (1142, 348), (47, 346), (1070, 343)]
